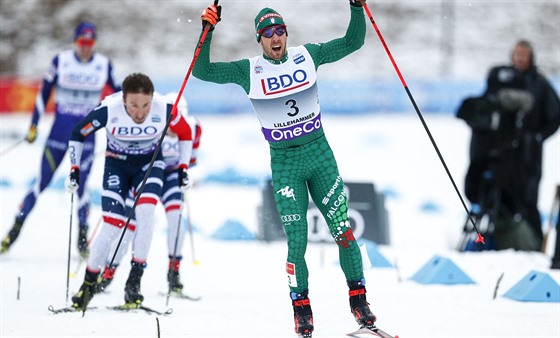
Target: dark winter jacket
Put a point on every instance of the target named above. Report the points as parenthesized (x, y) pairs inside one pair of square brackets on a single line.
[(508, 132)]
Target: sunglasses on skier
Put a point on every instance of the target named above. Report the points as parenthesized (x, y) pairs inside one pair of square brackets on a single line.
[(269, 31)]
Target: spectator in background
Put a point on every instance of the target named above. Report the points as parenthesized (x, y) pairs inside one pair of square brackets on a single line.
[(518, 111), (78, 78)]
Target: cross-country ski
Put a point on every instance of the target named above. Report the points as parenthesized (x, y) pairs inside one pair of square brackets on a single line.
[(68, 309), (370, 332), (181, 295), (149, 310), (122, 308)]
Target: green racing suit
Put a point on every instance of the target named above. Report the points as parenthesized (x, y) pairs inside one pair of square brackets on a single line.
[(284, 97)]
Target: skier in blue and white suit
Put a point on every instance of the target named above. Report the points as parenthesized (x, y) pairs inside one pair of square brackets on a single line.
[(172, 200), (78, 78), (134, 120)]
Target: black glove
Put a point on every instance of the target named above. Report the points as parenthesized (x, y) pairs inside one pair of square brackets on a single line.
[(357, 3), (183, 178), (73, 181)]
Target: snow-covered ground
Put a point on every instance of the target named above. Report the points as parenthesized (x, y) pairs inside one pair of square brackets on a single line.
[(242, 283)]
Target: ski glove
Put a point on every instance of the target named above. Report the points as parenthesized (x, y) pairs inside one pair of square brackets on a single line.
[(211, 15), (183, 177), (73, 180), (357, 3), (31, 134)]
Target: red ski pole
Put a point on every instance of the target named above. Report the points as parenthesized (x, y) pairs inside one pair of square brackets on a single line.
[(479, 238)]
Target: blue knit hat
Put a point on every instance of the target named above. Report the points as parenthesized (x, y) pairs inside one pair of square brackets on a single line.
[(85, 30)]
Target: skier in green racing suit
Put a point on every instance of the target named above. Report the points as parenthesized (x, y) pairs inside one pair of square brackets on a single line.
[(281, 84)]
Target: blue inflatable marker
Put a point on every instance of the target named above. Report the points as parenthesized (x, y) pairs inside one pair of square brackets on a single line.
[(233, 230), (441, 270), (231, 176), (535, 287), (4, 183), (430, 206)]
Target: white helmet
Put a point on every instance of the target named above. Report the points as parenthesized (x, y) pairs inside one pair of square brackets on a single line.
[(182, 106)]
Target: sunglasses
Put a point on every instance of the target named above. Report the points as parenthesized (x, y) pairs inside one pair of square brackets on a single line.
[(85, 42), (268, 32)]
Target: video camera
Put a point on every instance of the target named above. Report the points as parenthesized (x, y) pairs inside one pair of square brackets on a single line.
[(485, 113)]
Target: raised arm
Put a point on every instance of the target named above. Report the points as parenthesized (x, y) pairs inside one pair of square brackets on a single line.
[(353, 40), (219, 72)]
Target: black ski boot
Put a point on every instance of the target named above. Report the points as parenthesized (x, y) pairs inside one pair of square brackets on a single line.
[(81, 300), (359, 305), (132, 296), (11, 236), (105, 278), (175, 285), (82, 241), (303, 316)]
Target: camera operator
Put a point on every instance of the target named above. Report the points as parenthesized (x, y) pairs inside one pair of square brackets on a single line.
[(510, 122)]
